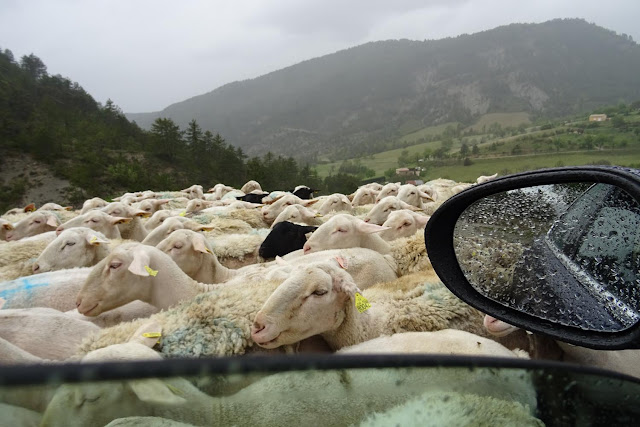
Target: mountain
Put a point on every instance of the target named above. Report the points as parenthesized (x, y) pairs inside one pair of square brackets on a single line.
[(350, 102)]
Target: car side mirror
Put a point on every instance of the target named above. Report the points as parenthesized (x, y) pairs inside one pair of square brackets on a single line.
[(553, 251)]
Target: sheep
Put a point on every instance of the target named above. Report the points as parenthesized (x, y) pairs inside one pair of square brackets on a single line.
[(16, 258), (56, 289), (193, 254), (253, 197), (458, 408), (35, 223), (194, 192), (75, 247), (251, 186), (285, 237), (44, 332), (444, 341), (304, 192), (337, 397), (219, 321), (237, 250), (324, 300), (169, 226), (335, 202), (271, 211), (346, 231), (95, 203), (300, 215), (98, 221), (390, 189), (54, 207), (484, 178), (411, 195), (151, 206), (134, 229), (135, 272), (623, 361), (403, 223), (4, 227), (197, 205), (29, 208), (381, 210), (219, 190), (364, 196)]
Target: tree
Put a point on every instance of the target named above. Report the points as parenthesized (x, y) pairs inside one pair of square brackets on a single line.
[(464, 150), (167, 139), (475, 150), (34, 66)]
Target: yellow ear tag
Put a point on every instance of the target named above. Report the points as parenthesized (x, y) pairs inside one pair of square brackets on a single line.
[(175, 390), (209, 250), (94, 240), (152, 334), (362, 304), (182, 213), (151, 271), (342, 262)]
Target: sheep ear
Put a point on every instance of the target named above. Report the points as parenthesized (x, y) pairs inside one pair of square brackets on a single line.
[(148, 334), (140, 213), (68, 208), (351, 196), (52, 220), (204, 228), (367, 228), (340, 279), (95, 240), (115, 220), (424, 195), (153, 390), (140, 263), (199, 244), (309, 202), (281, 261), (30, 207), (7, 226), (160, 202), (422, 219)]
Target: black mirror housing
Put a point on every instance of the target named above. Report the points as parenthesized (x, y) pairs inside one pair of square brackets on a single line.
[(439, 239)]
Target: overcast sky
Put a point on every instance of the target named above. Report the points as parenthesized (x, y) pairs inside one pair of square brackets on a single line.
[(148, 54)]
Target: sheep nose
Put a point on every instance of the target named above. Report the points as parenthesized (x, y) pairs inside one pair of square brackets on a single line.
[(78, 302), (367, 220), (59, 230), (259, 323), (306, 248), (35, 267)]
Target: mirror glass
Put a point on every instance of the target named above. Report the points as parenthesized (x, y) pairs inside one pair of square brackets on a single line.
[(567, 253)]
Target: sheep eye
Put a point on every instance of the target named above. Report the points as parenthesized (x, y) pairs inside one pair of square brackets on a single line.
[(116, 212), (69, 244), (115, 265), (36, 221), (386, 210), (177, 246), (95, 220), (319, 292), (406, 223)]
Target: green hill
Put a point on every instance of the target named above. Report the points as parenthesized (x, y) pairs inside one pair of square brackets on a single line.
[(360, 100)]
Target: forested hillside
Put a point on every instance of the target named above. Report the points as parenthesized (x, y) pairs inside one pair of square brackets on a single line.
[(355, 101), (100, 153)]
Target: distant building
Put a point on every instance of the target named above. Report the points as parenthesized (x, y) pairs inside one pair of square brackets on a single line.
[(597, 117), (415, 182), (408, 171)]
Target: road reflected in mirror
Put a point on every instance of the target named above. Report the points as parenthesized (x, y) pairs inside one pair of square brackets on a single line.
[(567, 253)]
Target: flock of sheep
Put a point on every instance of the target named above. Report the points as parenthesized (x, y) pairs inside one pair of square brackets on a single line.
[(157, 275)]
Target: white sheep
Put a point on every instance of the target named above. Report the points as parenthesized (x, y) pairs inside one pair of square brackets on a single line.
[(219, 190), (271, 211), (5, 226), (194, 192), (298, 214), (403, 223), (151, 206), (98, 221), (623, 361), (364, 196), (335, 202), (54, 207), (75, 247), (56, 289), (338, 397), (34, 223), (169, 226), (411, 195), (381, 210), (134, 229), (44, 332), (15, 211), (94, 203), (324, 300), (390, 189), (346, 231), (16, 258)]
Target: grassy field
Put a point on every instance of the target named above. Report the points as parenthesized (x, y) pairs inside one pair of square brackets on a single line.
[(503, 119), (513, 164), (428, 131)]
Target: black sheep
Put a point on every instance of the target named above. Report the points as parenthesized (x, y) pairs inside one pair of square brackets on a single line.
[(285, 237)]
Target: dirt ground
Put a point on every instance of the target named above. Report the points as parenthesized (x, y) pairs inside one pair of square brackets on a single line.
[(43, 185)]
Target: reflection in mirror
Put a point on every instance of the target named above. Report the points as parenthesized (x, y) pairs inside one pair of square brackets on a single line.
[(568, 253)]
